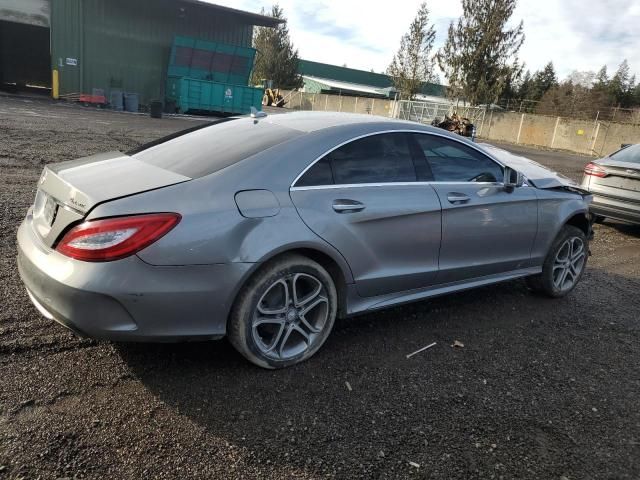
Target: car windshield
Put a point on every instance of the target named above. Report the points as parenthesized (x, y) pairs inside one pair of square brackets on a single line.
[(202, 151), (630, 154)]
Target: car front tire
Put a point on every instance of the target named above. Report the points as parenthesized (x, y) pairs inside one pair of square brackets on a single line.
[(564, 264), (285, 312)]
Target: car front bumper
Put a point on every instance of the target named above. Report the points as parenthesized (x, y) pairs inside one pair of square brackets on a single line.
[(128, 299)]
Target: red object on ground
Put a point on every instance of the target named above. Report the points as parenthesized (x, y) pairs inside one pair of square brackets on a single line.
[(85, 98)]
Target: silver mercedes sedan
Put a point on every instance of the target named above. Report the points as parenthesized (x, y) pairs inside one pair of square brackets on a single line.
[(268, 229)]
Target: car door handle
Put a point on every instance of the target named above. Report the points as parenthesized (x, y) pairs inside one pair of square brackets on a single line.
[(347, 206), (455, 197)]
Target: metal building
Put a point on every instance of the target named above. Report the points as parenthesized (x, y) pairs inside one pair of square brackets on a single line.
[(75, 46), (325, 78)]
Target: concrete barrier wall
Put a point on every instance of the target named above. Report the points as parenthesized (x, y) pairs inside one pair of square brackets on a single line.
[(574, 135), (580, 136), (501, 127), (337, 103), (612, 135), (536, 130)]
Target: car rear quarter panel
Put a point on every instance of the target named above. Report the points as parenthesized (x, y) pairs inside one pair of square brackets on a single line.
[(212, 229)]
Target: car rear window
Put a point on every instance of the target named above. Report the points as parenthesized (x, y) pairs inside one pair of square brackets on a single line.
[(629, 154), (202, 151)]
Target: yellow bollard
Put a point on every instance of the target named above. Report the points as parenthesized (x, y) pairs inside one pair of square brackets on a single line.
[(55, 85)]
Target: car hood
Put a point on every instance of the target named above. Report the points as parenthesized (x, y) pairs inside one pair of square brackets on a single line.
[(536, 174)]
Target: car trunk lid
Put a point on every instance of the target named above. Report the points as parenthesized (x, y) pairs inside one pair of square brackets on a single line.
[(625, 175), (67, 191)]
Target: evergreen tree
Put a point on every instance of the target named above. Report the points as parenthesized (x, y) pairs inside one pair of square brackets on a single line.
[(413, 64), (480, 53), (525, 87), (511, 87), (601, 81), (276, 58), (543, 81), (636, 95), (621, 85)]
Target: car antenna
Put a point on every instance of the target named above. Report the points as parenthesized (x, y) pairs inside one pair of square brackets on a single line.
[(257, 114)]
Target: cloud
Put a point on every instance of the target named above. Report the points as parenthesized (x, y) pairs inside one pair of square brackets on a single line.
[(580, 34), (574, 34)]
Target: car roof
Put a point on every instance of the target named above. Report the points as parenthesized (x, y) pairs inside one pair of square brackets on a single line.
[(306, 121)]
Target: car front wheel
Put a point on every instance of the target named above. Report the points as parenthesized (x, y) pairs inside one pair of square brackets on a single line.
[(564, 265), (284, 313)]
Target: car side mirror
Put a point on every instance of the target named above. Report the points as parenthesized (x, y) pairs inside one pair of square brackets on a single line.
[(512, 178)]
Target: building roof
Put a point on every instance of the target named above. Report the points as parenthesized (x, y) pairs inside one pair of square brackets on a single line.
[(252, 18), (362, 77), (345, 74), (348, 86)]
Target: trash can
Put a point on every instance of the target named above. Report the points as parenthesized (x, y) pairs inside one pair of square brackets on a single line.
[(131, 102), (156, 109), (116, 100)]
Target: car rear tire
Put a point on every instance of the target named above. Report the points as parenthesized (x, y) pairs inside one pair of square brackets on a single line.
[(284, 313), (564, 265)]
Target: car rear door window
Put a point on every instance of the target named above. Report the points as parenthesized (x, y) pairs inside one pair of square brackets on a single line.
[(452, 161), (629, 154), (382, 158)]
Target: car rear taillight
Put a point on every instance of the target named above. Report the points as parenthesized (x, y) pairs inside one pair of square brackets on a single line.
[(595, 170), (114, 238)]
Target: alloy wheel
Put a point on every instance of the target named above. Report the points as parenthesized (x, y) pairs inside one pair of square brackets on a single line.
[(569, 263), (290, 316)]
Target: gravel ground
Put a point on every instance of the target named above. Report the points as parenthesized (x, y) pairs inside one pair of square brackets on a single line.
[(542, 389)]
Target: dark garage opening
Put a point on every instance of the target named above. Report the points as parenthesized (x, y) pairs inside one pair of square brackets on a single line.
[(25, 59)]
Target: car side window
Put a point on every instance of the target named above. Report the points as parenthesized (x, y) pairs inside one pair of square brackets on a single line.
[(381, 158), (452, 161)]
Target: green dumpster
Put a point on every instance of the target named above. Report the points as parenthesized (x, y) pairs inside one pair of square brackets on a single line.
[(205, 76), (195, 95)]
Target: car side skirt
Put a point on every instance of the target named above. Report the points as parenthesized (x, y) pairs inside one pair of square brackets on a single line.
[(357, 304)]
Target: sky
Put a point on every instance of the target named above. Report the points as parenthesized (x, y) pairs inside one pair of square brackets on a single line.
[(575, 34)]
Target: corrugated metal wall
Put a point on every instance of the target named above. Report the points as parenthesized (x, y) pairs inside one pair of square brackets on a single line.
[(126, 44)]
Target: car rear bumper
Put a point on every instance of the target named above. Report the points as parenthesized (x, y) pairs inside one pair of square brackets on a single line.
[(615, 208), (128, 299)]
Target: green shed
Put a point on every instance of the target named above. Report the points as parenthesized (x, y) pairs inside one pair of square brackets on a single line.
[(123, 44)]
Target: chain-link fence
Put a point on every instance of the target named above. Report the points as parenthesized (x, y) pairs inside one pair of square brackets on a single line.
[(608, 114), (427, 112)]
